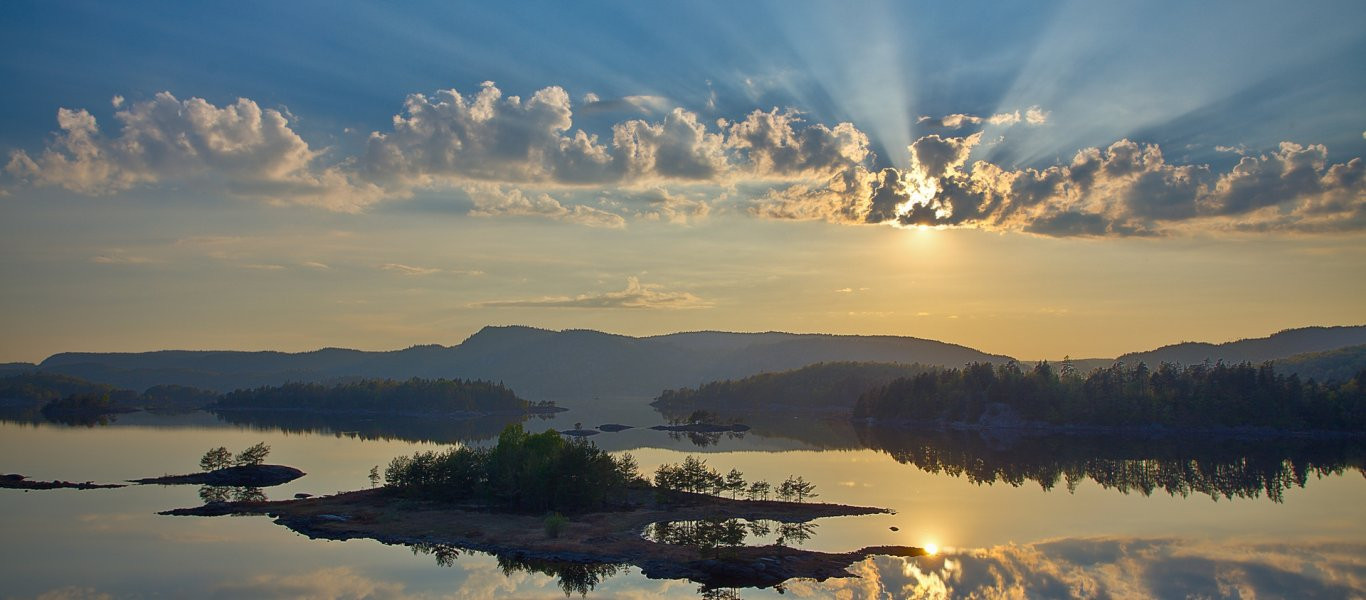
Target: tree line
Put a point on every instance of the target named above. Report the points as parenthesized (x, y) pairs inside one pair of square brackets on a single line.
[(1195, 396), (822, 387), (415, 395), (694, 476)]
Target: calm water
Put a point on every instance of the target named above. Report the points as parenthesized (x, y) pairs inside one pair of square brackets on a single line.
[(1035, 517)]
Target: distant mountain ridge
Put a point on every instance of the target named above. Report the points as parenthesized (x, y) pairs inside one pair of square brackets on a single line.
[(1282, 344), (532, 361)]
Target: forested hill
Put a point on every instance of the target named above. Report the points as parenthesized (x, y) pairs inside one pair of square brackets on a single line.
[(1254, 350), (416, 396), (533, 361), (1198, 396), (822, 387)]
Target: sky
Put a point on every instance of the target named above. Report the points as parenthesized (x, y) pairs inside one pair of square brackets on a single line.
[(1032, 179)]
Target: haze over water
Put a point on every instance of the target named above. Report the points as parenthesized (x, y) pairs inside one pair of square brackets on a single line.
[(993, 537)]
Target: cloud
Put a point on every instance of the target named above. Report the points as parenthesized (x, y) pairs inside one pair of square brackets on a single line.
[(409, 269), (240, 148), (520, 157), (338, 583), (661, 204), (120, 257), (1030, 116), (648, 104), (499, 201), (72, 592), (1126, 189), (636, 295), (775, 144)]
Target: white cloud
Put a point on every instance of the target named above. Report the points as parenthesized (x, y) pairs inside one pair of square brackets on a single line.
[(636, 295), (1030, 116), (775, 144), (337, 583), (240, 148), (499, 201), (520, 157)]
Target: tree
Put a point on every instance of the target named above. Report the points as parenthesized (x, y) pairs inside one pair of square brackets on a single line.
[(217, 458), (796, 488), (735, 483), (374, 476), (252, 456), (759, 490)]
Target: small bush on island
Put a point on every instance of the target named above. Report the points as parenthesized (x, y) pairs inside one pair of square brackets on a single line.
[(554, 524)]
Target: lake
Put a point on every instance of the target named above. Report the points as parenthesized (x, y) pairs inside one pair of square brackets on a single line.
[(1009, 515)]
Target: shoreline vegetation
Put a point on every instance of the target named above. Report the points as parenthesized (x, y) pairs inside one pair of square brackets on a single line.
[(544, 497), (416, 396), (1223, 399)]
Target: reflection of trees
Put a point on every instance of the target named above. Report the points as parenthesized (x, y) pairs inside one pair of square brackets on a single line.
[(702, 439), (716, 537), (711, 593), (445, 555), (820, 432), (1218, 467), (227, 493), (573, 577), (442, 430)]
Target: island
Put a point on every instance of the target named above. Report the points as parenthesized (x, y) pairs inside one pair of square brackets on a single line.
[(238, 476), (15, 481), (546, 499)]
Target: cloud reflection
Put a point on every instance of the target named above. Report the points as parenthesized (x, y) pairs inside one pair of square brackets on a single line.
[(1112, 567)]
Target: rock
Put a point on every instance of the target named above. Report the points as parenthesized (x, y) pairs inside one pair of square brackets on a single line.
[(580, 432), (613, 427)]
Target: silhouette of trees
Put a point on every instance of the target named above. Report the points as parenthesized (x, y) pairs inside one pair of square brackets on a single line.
[(796, 489), (217, 458), (415, 395), (693, 475), (758, 490), (1196, 396), (253, 455), (531, 472), (820, 386)]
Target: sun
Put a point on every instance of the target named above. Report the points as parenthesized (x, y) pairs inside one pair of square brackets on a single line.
[(931, 549)]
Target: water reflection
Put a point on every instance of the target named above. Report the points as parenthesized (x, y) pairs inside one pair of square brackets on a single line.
[(719, 537), (703, 439), (1111, 567), (1218, 467), (572, 577), (230, 493)]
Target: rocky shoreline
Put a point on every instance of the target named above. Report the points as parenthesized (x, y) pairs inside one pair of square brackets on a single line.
[(609, 537), (19, 482)]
